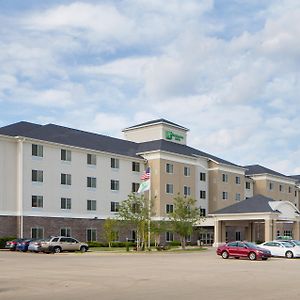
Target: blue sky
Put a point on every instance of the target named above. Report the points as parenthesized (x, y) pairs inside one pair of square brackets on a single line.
[(226, 69)]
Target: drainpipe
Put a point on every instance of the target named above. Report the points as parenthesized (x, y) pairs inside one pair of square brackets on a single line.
[(20, 186)]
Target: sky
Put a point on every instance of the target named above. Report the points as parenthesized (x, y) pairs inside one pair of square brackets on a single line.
[(226, 69)]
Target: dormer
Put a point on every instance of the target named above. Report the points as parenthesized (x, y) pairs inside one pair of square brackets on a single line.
[(156, 130)]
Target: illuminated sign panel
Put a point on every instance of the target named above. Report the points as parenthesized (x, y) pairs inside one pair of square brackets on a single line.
[(171, 135)]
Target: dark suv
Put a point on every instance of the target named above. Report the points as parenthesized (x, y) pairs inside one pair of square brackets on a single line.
[(57, 244)]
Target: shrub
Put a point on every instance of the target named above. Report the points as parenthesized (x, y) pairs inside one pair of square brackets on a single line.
[(174, 243)]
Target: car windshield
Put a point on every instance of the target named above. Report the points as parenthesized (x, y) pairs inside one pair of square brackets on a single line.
[(296, 242), (288, 244), (251, 245)]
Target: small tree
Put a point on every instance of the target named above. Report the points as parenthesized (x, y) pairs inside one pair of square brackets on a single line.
[(135, 210), (157, 228), (184, 216), (109, 228)]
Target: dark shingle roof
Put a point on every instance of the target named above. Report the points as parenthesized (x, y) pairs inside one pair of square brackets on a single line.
[(19, 128), (157, 121), (255, 204), (295, 177), (258, 169)]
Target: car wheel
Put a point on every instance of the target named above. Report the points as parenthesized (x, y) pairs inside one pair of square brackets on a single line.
[(225, 254), (56, 250), (252, 256), (83, 249), (289, 254)]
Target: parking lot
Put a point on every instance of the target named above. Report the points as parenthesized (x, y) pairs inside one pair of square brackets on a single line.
[(136, 276)]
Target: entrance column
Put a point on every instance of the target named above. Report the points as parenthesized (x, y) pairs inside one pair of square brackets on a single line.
[(274, 229), (296, 230), (268, 230), (217, 233)]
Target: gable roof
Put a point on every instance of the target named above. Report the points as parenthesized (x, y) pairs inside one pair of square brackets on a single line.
[(258, 170), (295, 177), (256, 204), (154, 122), (19, 128)]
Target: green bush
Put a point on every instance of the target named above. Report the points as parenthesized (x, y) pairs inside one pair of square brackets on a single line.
[(113, 244), (174, 243), (3, 241)]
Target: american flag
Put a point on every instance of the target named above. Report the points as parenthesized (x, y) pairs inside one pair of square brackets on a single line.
[(146, 174)]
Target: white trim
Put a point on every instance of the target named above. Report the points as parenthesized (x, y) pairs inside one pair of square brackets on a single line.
[(273, 178)]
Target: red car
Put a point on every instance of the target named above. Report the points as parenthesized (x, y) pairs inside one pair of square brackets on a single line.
[(243, 249)]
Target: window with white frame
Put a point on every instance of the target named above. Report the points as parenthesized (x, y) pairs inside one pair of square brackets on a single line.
[(37, 232), (114, 206), (65, 179), (202, 194), (237, 197), (37, 201), (114, 185), (186, 190), (65, 155), (65, 203), (202, 176), (224, 195), (169, 208), (169, 188), (248, 185), (37, 176), (114, 163), (271, 186), (169, 168), (91, 205), (135, 187), (225, 177), (65, 231), (237, 179), (91, 182), (202, 212), (135, 166), (290, 189), (37, 150), (91, 159), (281, 188), (169, 236), (91, 234), (187, 171)]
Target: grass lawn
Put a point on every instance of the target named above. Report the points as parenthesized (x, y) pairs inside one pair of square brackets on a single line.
[(153, 249)]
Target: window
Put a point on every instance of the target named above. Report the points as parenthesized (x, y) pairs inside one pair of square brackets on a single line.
[(91, 182), (237, 235), (65, 203), (187, 171), (202, 176), (295, 193), (91, 205), (186, 191), (202, 212), (169, 188), (270, 186), (91, 159), (65, 155), (114, 163), (202, 194), (37, 176), (169, 208), (169, 236), (65, 179), (65, 231), (91, 235), (37, 150), (114, 206), (280, 188), (237, 197), (135, 166), (287, 233), (37, 201), (237, 179), (290, 189), (37, 232), (135, 187), (169, 168), (225, 177), (225, 195), (248, 185), (114, 185)]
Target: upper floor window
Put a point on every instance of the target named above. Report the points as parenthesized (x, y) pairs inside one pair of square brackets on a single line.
[(224, 195), (114, 163), (248, 185), (202, 212), (169, 188), (237, 197), (135, 187), (135, 166), (169, 208), (37, 201), (202, 194), (114, 206), (187, 171), (91, 205), (91, 159), (280, 188), (114, 185), (295, 193), (65, 179), (225, 177), (37, 176), (271, 186), (91, 182), (65, 203), (37, 150), (186, 191), (290, 189), (169, 168), (65, 155), (237, 179), (202, 176)]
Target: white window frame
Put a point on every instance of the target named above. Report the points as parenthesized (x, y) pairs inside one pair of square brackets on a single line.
[(65, 203), (91, 205), (169, 208), (224, 195), (67, 230), (186, 171), (169, 168), (114, 163), (65, 179), (224, 177), (135, 187), (202, 194), (169, 188), (91, 159), (91, 234), (37, 176), (238, 197), (169, 236), (65, 155), (39, 232), (39, 199), (114, 206), (186, 190), (37, 150), (136, 167), (114, 185), (91, 182), (203, 176)]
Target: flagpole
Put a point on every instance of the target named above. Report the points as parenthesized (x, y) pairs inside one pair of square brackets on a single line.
[(149, 217)]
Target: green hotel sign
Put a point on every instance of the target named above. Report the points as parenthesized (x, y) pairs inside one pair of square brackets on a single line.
[(171, 135)]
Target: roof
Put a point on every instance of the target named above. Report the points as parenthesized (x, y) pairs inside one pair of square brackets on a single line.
[(295, 177), (19, 128), (154, 122), (256, 204), (258, 170)]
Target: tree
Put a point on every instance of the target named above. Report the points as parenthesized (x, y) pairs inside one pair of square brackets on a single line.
[(109, 228), (157, 228), (184, 216), (135, 210)]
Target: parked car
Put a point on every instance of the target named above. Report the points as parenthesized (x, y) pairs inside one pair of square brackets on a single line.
[(58, 244), (11, 245), (281, 248), (23, 245), (294, 242), (34, 246), (243, 249)]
